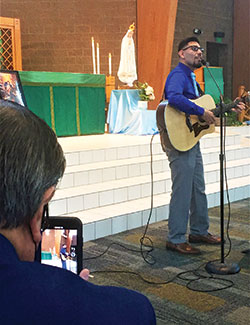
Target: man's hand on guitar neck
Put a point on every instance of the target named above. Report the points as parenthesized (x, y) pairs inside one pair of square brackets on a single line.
[(239, 105), (208, 117)]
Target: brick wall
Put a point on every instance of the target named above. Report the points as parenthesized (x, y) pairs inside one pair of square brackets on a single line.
[(56, 34)]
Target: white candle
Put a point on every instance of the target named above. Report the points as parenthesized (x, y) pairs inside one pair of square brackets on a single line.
[(98, 58), (93, 55), (110, 70)]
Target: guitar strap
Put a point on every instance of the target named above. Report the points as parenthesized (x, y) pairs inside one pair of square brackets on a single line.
[(188, 122), (201, 92), (162, 96)]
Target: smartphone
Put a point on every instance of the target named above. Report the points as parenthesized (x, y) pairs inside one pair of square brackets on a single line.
[(62, 243)]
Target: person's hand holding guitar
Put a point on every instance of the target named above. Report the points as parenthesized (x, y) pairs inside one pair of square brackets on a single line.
[(208, 117), (239, 105)]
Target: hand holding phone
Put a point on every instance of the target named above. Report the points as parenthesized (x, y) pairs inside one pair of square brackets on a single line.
[(84, 274)]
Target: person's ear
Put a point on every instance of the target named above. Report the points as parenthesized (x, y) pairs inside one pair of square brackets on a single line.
[(181, 54), (35, 222), (35, 227)]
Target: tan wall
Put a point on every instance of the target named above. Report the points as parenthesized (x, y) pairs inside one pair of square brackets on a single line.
[(241, 66), (56, 34), (210, 16)]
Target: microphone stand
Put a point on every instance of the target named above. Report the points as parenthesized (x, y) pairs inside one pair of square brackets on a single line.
[(214, 266)]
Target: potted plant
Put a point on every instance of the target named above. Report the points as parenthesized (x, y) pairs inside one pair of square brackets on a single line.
[(146, 93)]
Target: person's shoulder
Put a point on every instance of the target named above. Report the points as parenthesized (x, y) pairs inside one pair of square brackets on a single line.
[(97, 298), (36, 290), (45, 277), (177, 74), (59, 295), (54, 276)]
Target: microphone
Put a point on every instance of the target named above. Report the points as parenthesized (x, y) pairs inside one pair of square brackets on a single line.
[(203, 62)]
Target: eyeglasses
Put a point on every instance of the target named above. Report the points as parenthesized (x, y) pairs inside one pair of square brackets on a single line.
[(45, 218), (194, 48)]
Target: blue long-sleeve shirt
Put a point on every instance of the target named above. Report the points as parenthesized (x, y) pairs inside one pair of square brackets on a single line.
[(179, 89)]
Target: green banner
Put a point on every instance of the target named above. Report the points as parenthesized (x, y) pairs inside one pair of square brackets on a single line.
[(62, 78), (92, 110), (70, 103)]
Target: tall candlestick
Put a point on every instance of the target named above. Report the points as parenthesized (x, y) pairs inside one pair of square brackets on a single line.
[(110, 69), (98, 58), (93, 55)]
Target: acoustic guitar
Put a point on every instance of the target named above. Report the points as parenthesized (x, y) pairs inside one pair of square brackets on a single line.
[(185, 130)]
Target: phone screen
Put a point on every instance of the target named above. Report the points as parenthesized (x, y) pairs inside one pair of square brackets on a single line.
[(59, 248)]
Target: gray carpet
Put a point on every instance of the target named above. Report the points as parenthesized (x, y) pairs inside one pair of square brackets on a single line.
[(181, 301)]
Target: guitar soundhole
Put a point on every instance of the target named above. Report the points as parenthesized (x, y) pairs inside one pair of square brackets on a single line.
[(198, 128)]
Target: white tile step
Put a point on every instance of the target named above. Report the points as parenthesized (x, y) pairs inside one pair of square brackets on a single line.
[(107, 186), (243, 130), (234, 169), (110, 211), (113, 170), (113, 163), (103, 141), (88, 149), (231, 152), (92, 173), (121, 183), (137, 160)]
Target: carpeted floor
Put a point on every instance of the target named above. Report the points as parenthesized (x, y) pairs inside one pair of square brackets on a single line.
[(175, 303)]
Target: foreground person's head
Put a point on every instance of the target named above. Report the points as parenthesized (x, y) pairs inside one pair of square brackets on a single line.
[(31, 164)]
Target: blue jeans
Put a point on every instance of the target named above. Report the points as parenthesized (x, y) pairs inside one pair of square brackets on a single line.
[(188, 198)]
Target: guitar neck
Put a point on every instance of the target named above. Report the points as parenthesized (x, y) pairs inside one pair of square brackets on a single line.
[(225, 108)]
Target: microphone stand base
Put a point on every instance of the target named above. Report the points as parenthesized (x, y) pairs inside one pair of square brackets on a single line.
[(222, 268)]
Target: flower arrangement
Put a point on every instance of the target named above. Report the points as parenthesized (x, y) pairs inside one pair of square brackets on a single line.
[(146, 92)]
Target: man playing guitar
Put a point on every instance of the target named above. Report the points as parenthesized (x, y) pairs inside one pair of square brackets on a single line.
[(188, 198)]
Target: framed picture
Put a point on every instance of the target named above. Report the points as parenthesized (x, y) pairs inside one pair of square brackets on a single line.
[(11, 87)]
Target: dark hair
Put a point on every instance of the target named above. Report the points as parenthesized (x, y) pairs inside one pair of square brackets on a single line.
[(185, 42), (31, 161)]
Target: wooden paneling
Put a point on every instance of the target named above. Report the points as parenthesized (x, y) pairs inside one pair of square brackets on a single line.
[(155, 35), (10, 45), (241, 49)]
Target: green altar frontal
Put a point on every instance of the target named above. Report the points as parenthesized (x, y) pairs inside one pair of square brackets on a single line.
[(70, 103)]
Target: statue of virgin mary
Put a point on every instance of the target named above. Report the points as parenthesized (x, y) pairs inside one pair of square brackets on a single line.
[(127, 68)]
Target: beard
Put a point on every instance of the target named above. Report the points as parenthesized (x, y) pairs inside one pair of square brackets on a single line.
[(197, 65)]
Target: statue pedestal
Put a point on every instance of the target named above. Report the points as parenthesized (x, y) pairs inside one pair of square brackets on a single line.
[(110, 85)]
